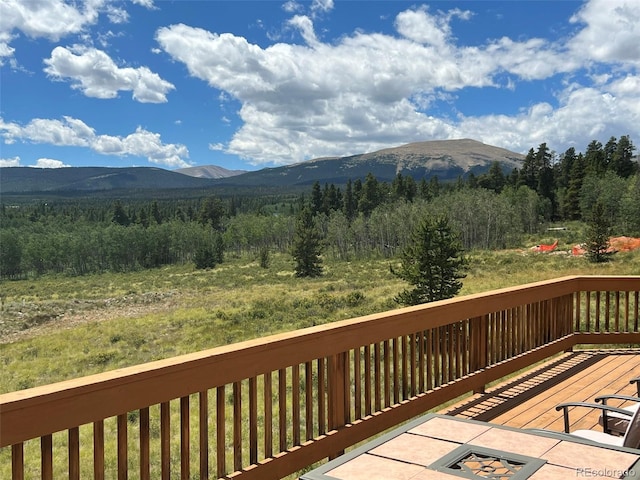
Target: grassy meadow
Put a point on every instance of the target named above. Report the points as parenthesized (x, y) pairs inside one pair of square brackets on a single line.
[(57, 327)]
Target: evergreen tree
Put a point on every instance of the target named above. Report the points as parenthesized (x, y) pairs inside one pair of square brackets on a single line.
[(155, 213), (572, 198), (529, 171), (622, 159), (410, 189), (316, 199), (349, 202), (598, 234), (119, 215), (370, 196), (307, 246), (211, 212), (595, 159), (433, 263), (10, 254)]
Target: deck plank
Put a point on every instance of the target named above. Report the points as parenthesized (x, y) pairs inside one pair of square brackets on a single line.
[(528, 400)]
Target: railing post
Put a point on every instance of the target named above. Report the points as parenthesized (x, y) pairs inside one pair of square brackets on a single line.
[(337, 393), (479, 337)]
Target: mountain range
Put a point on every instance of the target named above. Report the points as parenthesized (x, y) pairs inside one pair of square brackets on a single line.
[(446, 159)]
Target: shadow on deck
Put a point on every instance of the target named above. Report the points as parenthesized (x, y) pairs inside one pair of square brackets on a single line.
[(529, 400)]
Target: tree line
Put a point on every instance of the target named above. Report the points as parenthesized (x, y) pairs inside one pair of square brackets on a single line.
[(363, 218)]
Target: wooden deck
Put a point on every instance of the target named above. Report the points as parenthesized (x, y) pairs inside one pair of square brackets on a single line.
[(529, 400)]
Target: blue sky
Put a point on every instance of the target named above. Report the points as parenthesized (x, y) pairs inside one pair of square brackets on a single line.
[(254, 84)]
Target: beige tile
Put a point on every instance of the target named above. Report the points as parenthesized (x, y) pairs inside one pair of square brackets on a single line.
[(517, 442), (433, 475), (590, 459), (414, 449), (553, 472), (371, 467), (449, 429)]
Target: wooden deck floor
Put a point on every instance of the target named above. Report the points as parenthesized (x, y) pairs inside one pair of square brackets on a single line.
[(529, 400)]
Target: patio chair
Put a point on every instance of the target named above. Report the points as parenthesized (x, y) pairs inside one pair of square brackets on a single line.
[(616, 423), (631, 437)]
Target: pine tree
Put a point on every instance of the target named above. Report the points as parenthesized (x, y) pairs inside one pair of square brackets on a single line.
[(349, 202), (119, 215), (307, 246), (433, 263), (598, 235)]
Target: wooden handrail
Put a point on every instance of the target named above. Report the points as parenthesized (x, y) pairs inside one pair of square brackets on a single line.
[(416, 356)]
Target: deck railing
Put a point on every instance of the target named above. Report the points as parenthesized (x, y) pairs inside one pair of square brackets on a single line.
[(271, 407)]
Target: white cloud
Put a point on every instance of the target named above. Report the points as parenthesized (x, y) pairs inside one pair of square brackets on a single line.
[(305, 25), (369, 90), (145, 3), (322, 5), (611, 31), (9, 162), (74, 132), (49, 163), (54, 19), (94, 73)]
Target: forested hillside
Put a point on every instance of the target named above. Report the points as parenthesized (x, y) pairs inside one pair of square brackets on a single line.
[(365, 218)]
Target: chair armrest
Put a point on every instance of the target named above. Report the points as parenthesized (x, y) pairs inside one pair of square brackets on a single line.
[(636, 380), (604, 408), (604, 398)]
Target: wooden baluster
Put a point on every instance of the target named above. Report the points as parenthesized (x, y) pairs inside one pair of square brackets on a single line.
[(367, 380), (357, 380), (185, 444), (282, 408), (396, 370), (123, 448), (322, 395), (98, 450), (421, 360), (607, 311), (597, 294), (404, 367), (145, 473), (347, 387), (617, 313), (237, 426), (430, 361), (636, 316), (337, 369), (221, 420), (295, 400), (627, 300), (46, 457), (387, 374), (17, 461), (587, 311), (308, 401), (377, 378), (452, 351), (165, 440), (458, 348), (74, 453), (253, 420), (436, 357), (412, 364), (577, 311), (203, 404), (268, 415), (465, 348)]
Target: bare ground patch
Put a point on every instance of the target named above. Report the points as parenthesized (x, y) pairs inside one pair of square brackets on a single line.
[(22, 320)]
